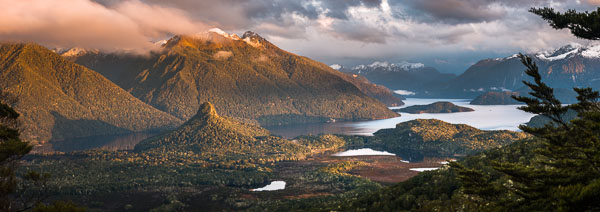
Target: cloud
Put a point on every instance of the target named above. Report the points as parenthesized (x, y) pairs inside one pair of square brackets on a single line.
[(129, 25), (335, 31), (458, 11)]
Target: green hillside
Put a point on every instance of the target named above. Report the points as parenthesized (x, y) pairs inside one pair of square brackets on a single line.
[(246, 78), (220, 141), (59, 99), (434, 138), (436, 107), (379, 92)]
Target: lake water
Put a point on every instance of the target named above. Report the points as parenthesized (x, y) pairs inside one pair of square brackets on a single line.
[(110, 142), (362, 152), (485, 117), (423, 169), (275, 185)]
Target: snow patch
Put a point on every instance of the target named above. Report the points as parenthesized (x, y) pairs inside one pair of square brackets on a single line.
[(252, 42), (549, 57), (74, 52), (592, 51), (336, 66)]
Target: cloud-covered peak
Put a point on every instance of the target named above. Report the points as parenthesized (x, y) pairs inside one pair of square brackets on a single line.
[(326, 30)]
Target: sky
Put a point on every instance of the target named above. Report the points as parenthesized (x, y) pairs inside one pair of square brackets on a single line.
[(449, 35)]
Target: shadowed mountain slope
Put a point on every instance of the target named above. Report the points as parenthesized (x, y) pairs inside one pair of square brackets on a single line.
[(247, 78), (58, 99)]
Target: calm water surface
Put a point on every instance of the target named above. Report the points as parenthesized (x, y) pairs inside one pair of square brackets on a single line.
[(485, 117), (492, 117)]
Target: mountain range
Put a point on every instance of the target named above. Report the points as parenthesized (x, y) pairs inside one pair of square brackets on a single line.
[(573, 65), (59, 99), (72, 93), (413, 77), (246, 77)]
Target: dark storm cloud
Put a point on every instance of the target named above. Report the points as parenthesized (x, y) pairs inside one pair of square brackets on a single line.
[(242, 13), (464, 11), (456, 11), (130, 24)]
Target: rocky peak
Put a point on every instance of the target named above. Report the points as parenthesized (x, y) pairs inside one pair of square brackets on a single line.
[(254, 39), (252, 35), (206, 110)]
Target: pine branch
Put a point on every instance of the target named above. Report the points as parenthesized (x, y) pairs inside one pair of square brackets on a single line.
[(544, 103), (584, 25)]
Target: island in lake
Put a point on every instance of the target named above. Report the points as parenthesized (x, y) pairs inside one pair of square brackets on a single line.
[(436, 107)]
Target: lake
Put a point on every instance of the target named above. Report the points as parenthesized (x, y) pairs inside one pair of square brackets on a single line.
[(362, 152), (485, 117), (273, 186)]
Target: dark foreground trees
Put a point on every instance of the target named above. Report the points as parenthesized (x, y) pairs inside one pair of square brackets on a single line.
[(557, 170), (11, 150), (564, 172), (20, 193)]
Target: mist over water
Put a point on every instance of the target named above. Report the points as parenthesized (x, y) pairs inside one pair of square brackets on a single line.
[(485, 117)]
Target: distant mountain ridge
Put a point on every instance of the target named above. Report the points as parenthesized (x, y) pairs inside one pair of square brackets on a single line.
[(573, 65), (413, 77), (58, 99), (247, 78)]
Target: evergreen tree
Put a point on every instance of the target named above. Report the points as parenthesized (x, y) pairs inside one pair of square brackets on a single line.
[(584, 25), (28, 191), (564, 173), (11, 150)]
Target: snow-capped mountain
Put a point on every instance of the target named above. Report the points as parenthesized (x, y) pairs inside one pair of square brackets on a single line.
[(573, 65), (570, 51), (412, 77), (387, 66), (216, 34), (250, 71), (75, 51)]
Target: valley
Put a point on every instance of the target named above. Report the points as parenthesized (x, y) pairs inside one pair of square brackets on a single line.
[(168, 106), (218, 161)]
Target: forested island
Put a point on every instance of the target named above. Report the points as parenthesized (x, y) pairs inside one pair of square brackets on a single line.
[(436, 107)]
